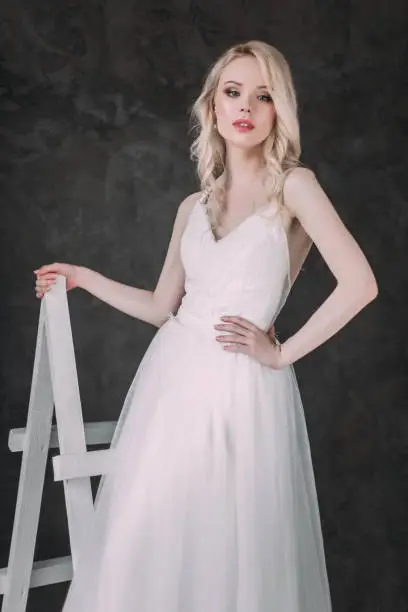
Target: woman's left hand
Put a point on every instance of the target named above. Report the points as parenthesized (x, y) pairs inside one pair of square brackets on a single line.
[(247, 338)]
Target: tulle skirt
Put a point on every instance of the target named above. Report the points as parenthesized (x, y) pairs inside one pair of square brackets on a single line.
[(210, 504)]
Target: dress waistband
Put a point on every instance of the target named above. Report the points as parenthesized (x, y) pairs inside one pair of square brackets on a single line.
[(202, 323)]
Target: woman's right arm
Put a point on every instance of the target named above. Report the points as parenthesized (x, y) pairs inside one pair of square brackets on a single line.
[(149, 306)]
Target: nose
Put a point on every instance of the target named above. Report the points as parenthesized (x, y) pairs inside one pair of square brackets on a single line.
[(245, 108)]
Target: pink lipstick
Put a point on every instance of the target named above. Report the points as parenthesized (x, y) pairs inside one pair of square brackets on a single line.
[(243, 125)]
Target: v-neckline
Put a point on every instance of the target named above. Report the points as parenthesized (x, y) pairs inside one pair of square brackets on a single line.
[(214, 238), (256, 214)]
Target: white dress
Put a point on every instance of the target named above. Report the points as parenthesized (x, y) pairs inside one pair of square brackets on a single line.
[(211, 504)]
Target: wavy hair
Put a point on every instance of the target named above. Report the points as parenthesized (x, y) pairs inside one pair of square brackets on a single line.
[(281, 149)]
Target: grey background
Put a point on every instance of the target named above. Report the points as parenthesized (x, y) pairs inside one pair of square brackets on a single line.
[(94, 160)]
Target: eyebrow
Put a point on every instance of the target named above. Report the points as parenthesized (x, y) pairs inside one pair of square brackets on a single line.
[(236, 83)]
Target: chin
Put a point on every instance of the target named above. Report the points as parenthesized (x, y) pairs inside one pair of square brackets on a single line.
[(244, 141), (248, 146)]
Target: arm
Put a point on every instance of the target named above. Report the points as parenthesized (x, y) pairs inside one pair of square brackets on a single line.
[(300, 245), (356, 284), (149, 306), (299, 250), (170, 286)]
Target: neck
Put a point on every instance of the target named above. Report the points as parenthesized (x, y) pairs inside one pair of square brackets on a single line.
[(243, 167)]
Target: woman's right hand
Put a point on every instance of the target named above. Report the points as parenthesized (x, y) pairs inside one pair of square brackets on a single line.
[(47, 275)]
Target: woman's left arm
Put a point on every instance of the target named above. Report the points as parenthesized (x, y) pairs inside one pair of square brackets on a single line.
[(356, 284)]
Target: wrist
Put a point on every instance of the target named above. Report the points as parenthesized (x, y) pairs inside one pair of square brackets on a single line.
[(284, 359), (80, 276), (278, 357)]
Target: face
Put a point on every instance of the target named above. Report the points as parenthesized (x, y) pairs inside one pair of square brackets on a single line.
[(242, 95)]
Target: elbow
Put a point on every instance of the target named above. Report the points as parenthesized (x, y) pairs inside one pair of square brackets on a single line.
[(366, 290), (370, 286), (362, 291)]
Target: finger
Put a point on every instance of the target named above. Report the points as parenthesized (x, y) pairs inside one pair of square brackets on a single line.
[(240, 321), (43, 289), (233, 328), (54, 267), (236, 348), (237, 338), (47, 279), (43, 283)]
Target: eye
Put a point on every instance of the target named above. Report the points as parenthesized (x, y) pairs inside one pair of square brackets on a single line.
[(230, 91), (266, 97)]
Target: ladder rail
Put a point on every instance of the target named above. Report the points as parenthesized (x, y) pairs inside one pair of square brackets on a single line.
[(54, 386), (31, 482)]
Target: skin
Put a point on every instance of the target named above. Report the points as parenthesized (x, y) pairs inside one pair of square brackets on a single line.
[(241, 94), (311, 218)]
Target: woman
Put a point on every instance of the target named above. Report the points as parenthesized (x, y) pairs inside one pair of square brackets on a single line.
[(211, 503)]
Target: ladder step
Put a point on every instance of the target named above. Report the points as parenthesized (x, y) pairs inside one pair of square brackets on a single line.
[(98, 432), (46, 572), (79, 465)]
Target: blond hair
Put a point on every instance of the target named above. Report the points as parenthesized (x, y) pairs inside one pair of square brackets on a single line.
[(281, 149)]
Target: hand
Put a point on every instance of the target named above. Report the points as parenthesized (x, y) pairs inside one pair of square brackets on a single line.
[(247, 338), (47, 275), (271, 334)]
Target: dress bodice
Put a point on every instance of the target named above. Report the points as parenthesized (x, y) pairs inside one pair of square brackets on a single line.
[(245, 273)]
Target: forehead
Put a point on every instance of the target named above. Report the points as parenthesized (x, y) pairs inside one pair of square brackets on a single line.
[(245, 70)]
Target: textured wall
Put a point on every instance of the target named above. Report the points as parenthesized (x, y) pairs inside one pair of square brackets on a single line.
[(94, 99)]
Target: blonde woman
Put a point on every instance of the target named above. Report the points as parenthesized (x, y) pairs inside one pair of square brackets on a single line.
[(211, 504)]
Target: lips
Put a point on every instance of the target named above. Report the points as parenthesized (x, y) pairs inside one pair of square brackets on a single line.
[(243, 124)]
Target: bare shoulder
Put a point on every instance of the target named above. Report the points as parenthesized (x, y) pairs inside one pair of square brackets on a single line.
[(299, 183), (184, 210), (299, 175), (294, 182), (187, 205)]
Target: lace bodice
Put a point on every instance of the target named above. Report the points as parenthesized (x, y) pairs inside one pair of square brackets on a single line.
[(246, 272)]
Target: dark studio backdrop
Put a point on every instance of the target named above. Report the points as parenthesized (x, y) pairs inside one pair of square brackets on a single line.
[(94, 161)]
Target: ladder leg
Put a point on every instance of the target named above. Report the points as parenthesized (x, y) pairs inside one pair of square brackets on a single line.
[(31, 481), (68, 414)]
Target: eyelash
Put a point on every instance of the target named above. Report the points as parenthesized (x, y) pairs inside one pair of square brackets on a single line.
[(230, 90)]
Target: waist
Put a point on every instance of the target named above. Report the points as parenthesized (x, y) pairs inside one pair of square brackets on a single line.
[(204, 323)]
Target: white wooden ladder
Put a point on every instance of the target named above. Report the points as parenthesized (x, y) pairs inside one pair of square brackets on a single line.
[(54, 384)]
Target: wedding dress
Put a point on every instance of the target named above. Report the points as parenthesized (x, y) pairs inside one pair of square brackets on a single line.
[(210, 504)]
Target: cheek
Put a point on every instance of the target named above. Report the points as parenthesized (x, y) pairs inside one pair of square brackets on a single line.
[(269, 116), (270, 112), (226, 107)]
